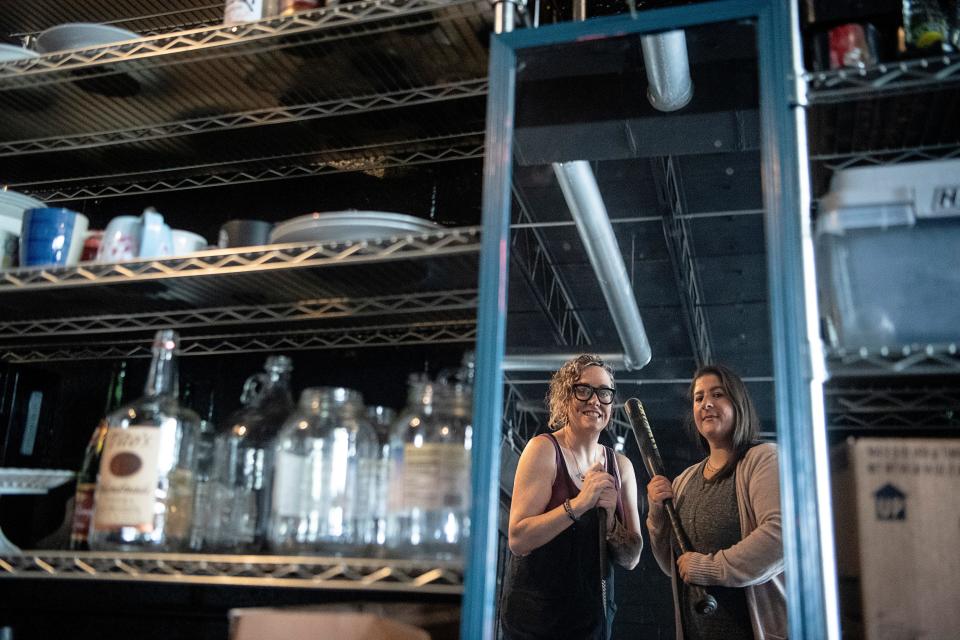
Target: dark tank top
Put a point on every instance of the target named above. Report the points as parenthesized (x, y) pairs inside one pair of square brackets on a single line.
[(554, 593)]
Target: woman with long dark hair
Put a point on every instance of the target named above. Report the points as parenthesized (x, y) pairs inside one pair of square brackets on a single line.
[(729, 506)]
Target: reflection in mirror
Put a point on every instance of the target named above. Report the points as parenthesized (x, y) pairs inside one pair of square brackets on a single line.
[(637, 236)]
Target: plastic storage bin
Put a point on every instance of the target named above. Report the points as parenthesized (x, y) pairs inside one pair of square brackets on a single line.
[(888, 255)]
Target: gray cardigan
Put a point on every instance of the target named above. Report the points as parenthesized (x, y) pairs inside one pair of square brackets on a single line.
[(756, 562)]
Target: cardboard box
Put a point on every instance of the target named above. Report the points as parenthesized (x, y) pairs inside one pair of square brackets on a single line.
[(317, 624), (897, 519)]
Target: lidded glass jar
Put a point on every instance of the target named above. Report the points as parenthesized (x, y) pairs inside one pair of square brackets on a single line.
[(326, 457), (430, 448), (243, 460)]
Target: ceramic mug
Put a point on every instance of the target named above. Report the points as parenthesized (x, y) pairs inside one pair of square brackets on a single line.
[(156, 238), (52, 236), (121, 240), (244, 233)]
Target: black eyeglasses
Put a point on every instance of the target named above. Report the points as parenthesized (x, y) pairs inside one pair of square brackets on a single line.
[(583, 392)]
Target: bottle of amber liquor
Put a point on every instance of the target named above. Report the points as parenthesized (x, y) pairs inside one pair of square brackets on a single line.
[(87, 476), (144, 495)]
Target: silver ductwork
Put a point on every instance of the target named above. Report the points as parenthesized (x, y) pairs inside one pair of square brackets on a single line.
[(553, 361), (586, 205), (668, 70)]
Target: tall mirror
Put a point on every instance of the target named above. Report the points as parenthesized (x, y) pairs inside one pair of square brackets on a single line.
[(636, 233)]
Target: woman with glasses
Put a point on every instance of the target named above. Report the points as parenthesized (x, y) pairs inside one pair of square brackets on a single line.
[(729, 506), (569, 490)]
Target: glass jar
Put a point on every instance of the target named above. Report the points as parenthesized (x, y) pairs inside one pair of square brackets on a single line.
[(243, 461), (381, 418), (325, 463), (430, 444)]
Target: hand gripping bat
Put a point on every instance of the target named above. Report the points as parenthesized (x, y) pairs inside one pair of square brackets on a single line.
[(704, 603)]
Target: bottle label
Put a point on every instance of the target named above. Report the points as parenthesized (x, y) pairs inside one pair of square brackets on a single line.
[(127, 484), (288, 486), (436, 477), (82, 513)]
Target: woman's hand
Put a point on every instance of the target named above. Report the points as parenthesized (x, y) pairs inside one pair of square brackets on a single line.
[(659, 489), (598, 489), (683, 565)]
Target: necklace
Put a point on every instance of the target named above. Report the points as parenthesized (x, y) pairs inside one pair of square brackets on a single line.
[(580, 475), (711, 468)]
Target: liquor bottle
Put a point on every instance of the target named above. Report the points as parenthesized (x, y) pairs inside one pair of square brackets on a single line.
[(325, 458), (925, 25), (381, 419), (87, 476), (243, 460), (144, 495)]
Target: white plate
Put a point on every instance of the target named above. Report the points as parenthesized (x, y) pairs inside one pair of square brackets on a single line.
[(12, 206), (341, 226), (15, 481), (10, 53), (80, 35)]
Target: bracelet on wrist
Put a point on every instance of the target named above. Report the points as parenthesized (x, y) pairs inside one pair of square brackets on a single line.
[(569, 510)]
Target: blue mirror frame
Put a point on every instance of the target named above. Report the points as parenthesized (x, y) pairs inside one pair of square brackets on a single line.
[(797, 354)]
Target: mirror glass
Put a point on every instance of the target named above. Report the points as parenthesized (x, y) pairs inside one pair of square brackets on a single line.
[(675, 152)]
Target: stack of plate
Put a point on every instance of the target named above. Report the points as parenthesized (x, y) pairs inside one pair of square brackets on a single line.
[(10, 53), (12, 206), (343, 226), (80, 35)]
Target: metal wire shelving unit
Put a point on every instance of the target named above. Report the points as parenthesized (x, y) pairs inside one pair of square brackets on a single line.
[(359, 86), (355, 574)]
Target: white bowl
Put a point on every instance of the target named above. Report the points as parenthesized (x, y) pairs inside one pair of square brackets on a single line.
[(185, 242)]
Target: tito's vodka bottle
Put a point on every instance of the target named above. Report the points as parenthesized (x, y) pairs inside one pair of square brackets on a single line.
[(144, 496)]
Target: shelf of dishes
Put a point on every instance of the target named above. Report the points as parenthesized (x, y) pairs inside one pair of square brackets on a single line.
[(362, 574), (346, 279), (337, 81)]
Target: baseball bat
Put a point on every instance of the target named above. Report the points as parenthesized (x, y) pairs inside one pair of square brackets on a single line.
[(704, 603)]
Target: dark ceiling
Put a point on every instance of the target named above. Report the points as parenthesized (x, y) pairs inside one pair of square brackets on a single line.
[(688, 178)]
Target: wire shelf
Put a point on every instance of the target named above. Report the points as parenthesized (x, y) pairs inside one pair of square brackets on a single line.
[(240, 570), (909, 76), (374, 77), (930, 359)]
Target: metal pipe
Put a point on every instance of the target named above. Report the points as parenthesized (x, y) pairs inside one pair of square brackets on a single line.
[(583, 198), (504, 16), (553, 361), (668, 70)]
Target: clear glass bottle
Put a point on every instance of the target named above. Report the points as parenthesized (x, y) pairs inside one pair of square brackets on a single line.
[(206, 432), (429, 502), (144, 495), (325, 457), (381, 418), (243, 460), (83, 504)]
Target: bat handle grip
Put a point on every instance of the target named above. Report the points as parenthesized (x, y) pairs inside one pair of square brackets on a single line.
[(703, 603)]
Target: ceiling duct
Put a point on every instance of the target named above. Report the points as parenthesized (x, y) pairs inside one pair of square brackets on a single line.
[(668, 70), (586, 205)]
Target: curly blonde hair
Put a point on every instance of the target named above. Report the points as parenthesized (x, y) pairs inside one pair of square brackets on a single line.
[(560, 393)]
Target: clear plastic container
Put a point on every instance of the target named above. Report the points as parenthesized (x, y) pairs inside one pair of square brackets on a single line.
[(888, 255)]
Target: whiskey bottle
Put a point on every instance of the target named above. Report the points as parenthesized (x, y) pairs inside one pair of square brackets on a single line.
[(144, 495)]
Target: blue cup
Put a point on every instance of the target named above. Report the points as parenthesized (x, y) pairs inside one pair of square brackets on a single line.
[(51, 236)]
